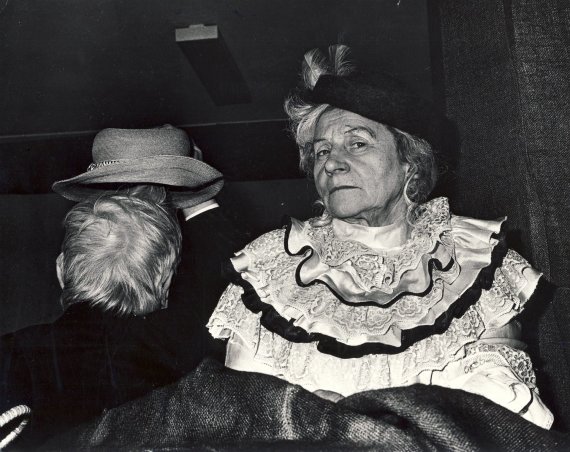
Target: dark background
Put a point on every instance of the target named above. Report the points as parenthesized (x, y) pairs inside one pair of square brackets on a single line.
[(80, 65)]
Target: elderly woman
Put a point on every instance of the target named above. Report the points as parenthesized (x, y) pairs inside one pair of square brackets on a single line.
[(384, 289)]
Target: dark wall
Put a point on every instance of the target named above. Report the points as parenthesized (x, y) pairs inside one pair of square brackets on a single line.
[(246, 151), (82, 65)]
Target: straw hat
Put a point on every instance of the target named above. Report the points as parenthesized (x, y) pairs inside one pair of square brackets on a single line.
[(145, 156)]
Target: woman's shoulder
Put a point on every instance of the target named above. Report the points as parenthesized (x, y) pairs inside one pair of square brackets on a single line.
[(513, 285), (513, 271), (277, 241), (269, 242), (437, 214)]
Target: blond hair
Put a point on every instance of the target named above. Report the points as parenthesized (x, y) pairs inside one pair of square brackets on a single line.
[(119, 253)]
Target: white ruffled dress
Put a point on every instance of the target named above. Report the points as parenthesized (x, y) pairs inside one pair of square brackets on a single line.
[(349, 308)]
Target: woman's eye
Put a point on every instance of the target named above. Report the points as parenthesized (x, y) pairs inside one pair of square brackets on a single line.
[(322, 153), (357, 144)]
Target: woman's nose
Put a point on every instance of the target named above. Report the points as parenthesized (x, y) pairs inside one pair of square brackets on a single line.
[(336, 163)]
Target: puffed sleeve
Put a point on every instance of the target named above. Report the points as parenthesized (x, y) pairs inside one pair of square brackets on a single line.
[(496, 366), (502, 374)]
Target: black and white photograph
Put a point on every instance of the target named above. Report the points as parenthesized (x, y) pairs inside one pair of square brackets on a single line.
[(285, 225)]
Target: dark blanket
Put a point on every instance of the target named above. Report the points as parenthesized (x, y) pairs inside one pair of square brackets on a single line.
[(219, 408)]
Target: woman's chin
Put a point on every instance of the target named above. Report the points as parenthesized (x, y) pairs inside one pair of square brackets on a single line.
[(344, 205), (344, 213)]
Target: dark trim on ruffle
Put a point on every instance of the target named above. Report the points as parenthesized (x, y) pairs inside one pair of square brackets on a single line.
[(274, 322), (432, 263)]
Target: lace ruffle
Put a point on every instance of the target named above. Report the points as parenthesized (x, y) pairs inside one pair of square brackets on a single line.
[(359, 274), (363, 320), (460, 264), (303, 363)]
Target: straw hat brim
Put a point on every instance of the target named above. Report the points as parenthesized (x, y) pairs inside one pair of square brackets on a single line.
[(191, 181)]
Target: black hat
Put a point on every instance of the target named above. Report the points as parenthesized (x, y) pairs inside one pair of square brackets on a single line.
[(382, 98)]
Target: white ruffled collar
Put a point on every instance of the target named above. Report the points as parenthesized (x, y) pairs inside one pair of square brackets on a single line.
[(378, 292), (377, 238), (360, 273)]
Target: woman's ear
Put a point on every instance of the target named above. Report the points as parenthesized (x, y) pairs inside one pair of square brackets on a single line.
[(59, 269)]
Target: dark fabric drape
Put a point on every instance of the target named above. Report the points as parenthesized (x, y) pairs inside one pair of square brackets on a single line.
[(218, 408), (506, 69)]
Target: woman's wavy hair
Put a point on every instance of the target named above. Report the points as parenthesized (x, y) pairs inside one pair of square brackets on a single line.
[(120, 251), (304, 115)]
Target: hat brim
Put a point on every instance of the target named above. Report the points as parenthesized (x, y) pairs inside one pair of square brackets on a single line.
[(191, 181)]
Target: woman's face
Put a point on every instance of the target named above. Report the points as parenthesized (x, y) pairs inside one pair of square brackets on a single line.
[(357, 170)]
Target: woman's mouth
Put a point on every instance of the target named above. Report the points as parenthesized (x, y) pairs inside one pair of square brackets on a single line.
[(341, 187)]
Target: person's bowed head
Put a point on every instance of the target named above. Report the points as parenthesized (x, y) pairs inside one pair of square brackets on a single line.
[(161, 165), (119, 253)]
